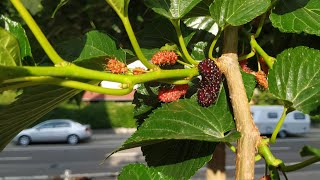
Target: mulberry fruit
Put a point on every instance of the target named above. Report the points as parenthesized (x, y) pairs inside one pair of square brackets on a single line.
[(164, 58), (172, 94), (207, 95), (262, 79), (209, 71), (211, 78), (116, 67)]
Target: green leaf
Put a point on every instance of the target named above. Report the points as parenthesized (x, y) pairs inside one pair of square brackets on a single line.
[(185, 119), (160, 32), (33, 6), (310, 151), (198, 51), (19, 33), (9, 49), (294, 79), (141, 172), (237, 12), (34, 103), (202, 23), (179, 159), (172, 9), (95, 44), (120, 6), (249, 81), (297, 16)]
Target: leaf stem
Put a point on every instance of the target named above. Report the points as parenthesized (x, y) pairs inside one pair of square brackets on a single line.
[(176, 24), (278, 126), (43, 41), (268, 59), (299, 165), (261, 23), (247, 56), (134, 42), (210, 53), (67, 83)]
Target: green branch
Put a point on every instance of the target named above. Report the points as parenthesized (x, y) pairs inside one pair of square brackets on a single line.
[(32, 81), (213, 44), (77, 72), (43, 41), (299, 165), (176, 24), (278, 126), (268, 59)]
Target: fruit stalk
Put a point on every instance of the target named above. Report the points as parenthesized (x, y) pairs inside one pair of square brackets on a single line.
[(250, 136)]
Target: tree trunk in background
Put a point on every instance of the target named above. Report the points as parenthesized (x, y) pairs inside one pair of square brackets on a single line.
[(216, 166)]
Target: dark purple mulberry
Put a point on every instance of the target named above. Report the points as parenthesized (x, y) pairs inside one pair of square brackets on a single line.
[(211, 78)]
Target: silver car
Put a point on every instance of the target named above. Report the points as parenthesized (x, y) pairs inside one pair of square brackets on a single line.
[(55, 130)]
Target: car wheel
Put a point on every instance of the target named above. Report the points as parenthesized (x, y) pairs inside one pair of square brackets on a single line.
[(73, 139), (282, 134), (24, 140)]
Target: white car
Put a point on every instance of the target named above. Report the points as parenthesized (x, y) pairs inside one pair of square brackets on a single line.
[(55, 130)]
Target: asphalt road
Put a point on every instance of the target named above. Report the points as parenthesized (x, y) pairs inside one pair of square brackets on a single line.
[(40, 161)]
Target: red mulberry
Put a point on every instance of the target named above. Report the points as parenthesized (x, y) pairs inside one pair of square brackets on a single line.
[(172, 94), (164, 58)]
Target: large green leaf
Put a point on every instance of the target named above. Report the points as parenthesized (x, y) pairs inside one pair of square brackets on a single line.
[(297, 16), (180, 159), (9, 49), (19, 33), (237, 12), (310, 151), (30, 106), (172, 9), (294, 79), (141, 172), (93, 45), (185, 120), (160, 32), (203, 23)]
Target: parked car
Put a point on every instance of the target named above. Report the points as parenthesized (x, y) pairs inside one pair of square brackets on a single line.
[(55, 130), (266, 118)]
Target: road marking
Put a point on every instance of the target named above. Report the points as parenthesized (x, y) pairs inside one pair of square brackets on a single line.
[(15, 158), (280, 148), (42, 177)]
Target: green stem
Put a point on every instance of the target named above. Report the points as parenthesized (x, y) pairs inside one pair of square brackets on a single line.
[(176, 24), (274, 173), (43, 41), (134, 42), (300, 165), (247, 56), (264, 151), (77, 72), (268, 59), (67, 83), (261, 23), (210, 53), (231, 147), (278, 126), (183, 63)]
